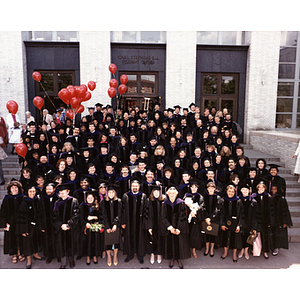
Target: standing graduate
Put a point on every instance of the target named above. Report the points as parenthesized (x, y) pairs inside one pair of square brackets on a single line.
[(10, 221), (174, 228), (231, 222), (89, 222), (65, 221), (133, 209), (111, 213), (48, 238)]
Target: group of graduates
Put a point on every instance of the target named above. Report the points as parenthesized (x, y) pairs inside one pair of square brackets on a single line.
[(159, 183)]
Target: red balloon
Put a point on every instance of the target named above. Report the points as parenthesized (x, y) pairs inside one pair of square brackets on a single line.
[(74, 102), (79, 109), (87, 96), (112, 68), (12, 106), (71, 90), (113, 83), (38, 102), (64, 95), (124, 78), (21, 149), (111, 92), (84, 86), (91, 85), (80, 92), (37, 76), (122, 89), (70, 114)]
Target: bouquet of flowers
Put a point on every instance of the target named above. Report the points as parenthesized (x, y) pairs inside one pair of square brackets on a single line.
[(193, 206), (97, 227)]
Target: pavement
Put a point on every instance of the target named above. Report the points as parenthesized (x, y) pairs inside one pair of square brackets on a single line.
[(286, 259)]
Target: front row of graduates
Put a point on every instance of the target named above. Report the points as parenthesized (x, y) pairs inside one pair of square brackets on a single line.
[(162, 225)]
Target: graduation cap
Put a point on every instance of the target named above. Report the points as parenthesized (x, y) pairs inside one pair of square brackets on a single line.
[(172, 185), (85, 149), (155, 187), (185, 109), (113, 187), (185, 172), (63, 186), (98, 104), (53, 134), (153, 137), (102, 183), (194, 181), (136, 180), (177, 106), (91, 107), (210, 183), (245, 186), (251, 169), (31, 123), (108, 106), (192, 104), (110, 164), (156, 103), (274, 166), (170, 109), (84, 178), (103, 145)]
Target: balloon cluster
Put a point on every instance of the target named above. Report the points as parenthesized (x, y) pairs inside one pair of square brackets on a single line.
[(113, 83), (12, 106)]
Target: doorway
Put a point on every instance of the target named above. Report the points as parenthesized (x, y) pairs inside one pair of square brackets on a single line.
[(220, 90)]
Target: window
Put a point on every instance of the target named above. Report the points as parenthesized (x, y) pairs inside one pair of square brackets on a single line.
[(138, 37), (221, 37), (60, 36), (288, 93)]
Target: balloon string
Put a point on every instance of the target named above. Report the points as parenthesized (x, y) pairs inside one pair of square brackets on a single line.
[(47, 95)]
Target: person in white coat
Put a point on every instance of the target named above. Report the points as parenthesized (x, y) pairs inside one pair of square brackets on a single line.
[(297, 165), (10, 120)]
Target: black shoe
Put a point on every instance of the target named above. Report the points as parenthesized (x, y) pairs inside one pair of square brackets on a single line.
[(234, 260), (211, 255), (62, 267), (28, 267), (141, 261), (205, 254), (72, 264), (171, 264), (180, 265), (95, 262), (88, 263), (49, 260), (223, 257), (78, 257), (2, 183), (128, 258)]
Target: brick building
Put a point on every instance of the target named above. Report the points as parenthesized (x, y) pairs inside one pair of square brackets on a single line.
[(255, 73)]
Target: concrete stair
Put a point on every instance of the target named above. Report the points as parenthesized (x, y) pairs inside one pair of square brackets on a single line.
[(292, 188)]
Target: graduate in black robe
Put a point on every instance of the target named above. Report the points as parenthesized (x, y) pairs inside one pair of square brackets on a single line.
[(210, 212), (10, 218), (111, 213), (65, 221), (193, 201), (123, 181), (31, 226), (174, 228), (153, 220), (264, 218), (91, 238), (274, 178), (133, 210), (283, 221), (46, 206), (231, 221)]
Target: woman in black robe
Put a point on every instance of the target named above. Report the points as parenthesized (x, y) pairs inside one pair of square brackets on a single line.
[(283, 220), (210, 213), (155, 240), (192, 207), (111, 212), (31, 226), (231, 222), (261, 165), (92, 238), (174, 228), (10, 220), (264, 217)]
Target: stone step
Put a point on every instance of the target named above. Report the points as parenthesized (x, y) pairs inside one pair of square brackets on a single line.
[(290, 178), (292, 192), (295, 211), (293, 201), (294, 235), (296, 222), (292, 185), (1, 237)]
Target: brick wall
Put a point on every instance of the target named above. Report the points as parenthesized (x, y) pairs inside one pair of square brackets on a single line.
[(12, 72), (180, 68), (261, 84), (94, 62)]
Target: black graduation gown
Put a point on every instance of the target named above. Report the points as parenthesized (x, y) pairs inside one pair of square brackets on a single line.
[(123, 153), (279, 181), (31, 224), (133, 211), (123, 185), (248, 212), (111, 214), (91, 243), (211, 207), (282, 216), (48, 237), (264, 219), (232, 207), (171, 153), (155, 241), (174, 214), (195, 236), (66, 212), (10, 214), (80, 194)]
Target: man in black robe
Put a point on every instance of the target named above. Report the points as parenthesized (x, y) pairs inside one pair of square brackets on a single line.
[(65, 220), (48, 238), (274, 178), (133, 209)]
